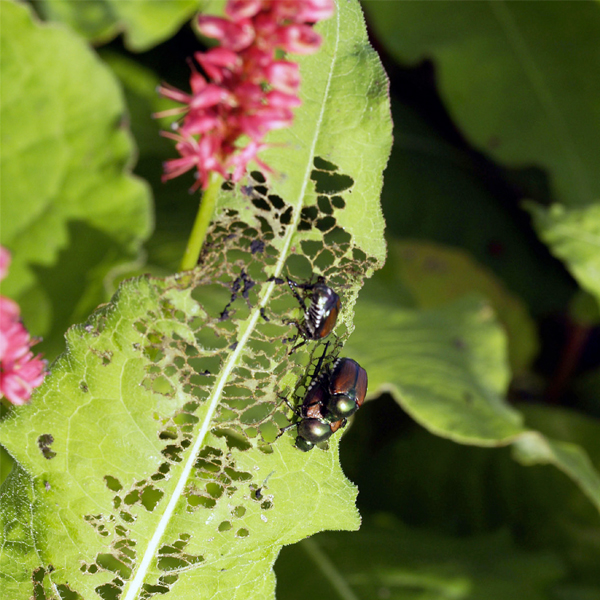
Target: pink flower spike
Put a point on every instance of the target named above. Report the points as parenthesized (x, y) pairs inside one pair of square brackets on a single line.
[(299, 39), (243, 9), (4, 262), (20, 371), (235, 36), (247, 92), (284, 76)]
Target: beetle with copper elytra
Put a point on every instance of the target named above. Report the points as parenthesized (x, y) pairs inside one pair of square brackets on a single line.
[(347, 389), (321, 315)]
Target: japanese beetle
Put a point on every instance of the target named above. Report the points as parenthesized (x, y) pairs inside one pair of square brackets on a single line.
[(347, 389), (321, 316)]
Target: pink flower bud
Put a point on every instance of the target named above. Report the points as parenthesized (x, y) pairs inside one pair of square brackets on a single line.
[(299, 39), (217, 61), (233, 35), (284, 76), (243, 9), (278, 99)]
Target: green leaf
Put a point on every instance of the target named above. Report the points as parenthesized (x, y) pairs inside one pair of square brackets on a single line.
[(448, 369), (153, 448), (406, 564), (145, 23), (72, 213), (573, 234), (511, 76), (437, 275)]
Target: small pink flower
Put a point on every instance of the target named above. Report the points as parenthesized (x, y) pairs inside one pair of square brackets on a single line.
[(246, 92), (20, 370)]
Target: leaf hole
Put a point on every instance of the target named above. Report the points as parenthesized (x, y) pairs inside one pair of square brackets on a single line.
[(112, 483), (261, 204), (151, 496), (225, 526), (338, 202), (324, 165)]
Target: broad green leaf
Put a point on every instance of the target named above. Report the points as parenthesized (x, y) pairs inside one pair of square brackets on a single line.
[(144, 23), (153, 448), (71, 212), (434, 191), (511, 75), (516, 80), (436, 275), (386, 559), (448, 369), (573, 234)]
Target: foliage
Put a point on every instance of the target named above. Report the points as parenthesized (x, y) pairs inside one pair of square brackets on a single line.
[(149, 464)]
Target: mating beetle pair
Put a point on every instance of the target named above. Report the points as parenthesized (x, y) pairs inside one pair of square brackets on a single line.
[(331, 398)]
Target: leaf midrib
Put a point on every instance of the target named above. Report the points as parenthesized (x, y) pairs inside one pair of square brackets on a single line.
[(141, 571)]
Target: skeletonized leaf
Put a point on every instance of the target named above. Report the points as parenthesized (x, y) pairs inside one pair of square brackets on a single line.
[(152, 450)]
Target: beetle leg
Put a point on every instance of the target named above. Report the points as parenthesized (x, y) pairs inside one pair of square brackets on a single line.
[(284, 429), (321, 359), (292, 408), (302, 343), (294, 285)]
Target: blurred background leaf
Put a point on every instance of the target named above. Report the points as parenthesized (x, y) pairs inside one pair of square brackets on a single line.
[(144, 23), (515, 79), (385, 559), (73, 214)]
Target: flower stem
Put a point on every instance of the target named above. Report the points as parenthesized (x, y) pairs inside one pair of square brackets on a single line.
[(203, 219)]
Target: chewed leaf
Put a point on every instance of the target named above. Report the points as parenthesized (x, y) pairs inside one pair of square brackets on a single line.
[(152, 461), (156, 435)]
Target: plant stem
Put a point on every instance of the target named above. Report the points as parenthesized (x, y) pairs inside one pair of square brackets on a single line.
[(203, 219)]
